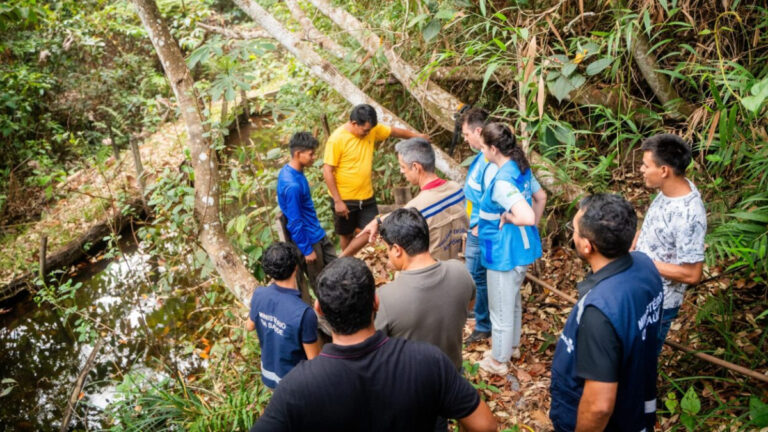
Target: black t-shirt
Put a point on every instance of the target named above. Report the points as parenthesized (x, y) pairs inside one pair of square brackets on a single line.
[(598, 348), (381, 384)]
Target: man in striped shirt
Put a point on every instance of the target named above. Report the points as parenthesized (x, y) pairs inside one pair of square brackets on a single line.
[(440, 201)]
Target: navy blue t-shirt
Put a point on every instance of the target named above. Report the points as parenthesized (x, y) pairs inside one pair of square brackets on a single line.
[(283, 323)]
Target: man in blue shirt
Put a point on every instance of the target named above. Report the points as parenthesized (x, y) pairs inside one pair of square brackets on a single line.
[(286, 326), (295, 200)]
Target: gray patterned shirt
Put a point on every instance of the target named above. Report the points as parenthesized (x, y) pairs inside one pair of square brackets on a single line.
[(673, 232)]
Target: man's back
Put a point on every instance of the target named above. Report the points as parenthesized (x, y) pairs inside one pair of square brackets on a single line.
[(443, 208), (381, 384), (428, 305)]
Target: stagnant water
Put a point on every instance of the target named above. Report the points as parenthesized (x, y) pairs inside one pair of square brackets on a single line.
[(42, 353)]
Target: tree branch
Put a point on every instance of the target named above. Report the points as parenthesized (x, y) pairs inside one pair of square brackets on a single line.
[(235, 34)]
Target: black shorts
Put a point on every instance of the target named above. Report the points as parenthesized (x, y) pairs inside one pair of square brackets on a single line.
[(360, 213)]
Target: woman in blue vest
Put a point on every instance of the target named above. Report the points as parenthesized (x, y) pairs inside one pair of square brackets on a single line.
[(509, 241)]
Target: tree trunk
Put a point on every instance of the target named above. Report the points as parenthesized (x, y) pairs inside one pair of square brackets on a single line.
[(212, 235), (658, 82), (312, 34), (438, 103), (346, 88)]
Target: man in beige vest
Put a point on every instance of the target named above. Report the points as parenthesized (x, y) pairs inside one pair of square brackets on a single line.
[(440, 201)]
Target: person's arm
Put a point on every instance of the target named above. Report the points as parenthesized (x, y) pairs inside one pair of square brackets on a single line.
[(367, 235), (481, 420), (250, 325), (338, 205), (520, 214), (312, 349), (596, 405), (405, 134), (688, 273), (634, 241), (509, 197), (539, 199), (296, 227)]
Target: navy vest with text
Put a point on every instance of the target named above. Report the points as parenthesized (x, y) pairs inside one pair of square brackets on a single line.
[(512, 246), (278, 312), (631, 300)]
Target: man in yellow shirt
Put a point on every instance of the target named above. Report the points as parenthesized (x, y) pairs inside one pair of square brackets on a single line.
[(348, 165)]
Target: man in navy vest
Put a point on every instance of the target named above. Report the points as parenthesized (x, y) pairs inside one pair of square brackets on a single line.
[(604, 369), (286, 326)]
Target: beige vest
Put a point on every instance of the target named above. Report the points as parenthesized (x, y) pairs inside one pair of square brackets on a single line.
[(443, 208)]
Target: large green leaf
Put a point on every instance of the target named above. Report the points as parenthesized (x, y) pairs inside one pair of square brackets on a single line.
[(758, 412), (431, 30), (759, 94), (598, 66)]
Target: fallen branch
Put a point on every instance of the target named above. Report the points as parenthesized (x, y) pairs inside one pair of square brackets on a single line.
[(438, 103), (706, 357), (314, 35), (235, 34), (75, 395)]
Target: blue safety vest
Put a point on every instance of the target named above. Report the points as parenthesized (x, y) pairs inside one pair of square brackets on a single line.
[(513, 245), (632, 302), (473, 187), (277, 313)]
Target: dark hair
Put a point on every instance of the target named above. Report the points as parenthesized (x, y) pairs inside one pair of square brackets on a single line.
[(407, 228), (417, 150), (362, 114), (345, 291), (280, 260), (474, 117), (670, 150), (500, 136), (302, 141), (609, 222)]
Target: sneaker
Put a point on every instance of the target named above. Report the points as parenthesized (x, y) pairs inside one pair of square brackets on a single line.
[(516, 353), (477, 336), (489, 365)]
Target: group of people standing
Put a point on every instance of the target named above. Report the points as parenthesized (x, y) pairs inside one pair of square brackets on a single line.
[(395, 360)]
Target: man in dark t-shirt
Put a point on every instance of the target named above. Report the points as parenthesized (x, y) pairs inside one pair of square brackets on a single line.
[(364, 380)]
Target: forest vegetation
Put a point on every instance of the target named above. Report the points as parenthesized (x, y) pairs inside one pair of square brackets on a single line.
[(215, 88)]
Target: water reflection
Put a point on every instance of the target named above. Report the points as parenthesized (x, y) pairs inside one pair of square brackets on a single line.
[(43, 354)]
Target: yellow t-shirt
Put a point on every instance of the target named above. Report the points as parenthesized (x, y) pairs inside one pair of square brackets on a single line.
[(353, 159)]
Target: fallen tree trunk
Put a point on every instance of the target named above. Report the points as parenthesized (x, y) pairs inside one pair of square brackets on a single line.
[(346, 88), (234, 33), (437, 102), (658, 82), (226, 260), (312, 34), (74, 251)]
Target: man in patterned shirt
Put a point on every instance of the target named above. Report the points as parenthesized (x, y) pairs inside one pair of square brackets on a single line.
[(674, 227)]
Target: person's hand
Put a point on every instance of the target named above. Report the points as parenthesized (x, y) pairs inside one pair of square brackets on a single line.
[(310, 258), (425, 136), (506, 218), (341, 209), (371, 230)]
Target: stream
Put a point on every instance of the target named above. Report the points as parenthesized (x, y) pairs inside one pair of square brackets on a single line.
[(42, 353)]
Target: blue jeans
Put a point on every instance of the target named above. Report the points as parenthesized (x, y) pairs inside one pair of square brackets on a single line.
[(667, 316), (506, 310), (479, 275)]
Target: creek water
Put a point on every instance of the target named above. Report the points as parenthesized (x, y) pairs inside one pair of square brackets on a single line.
[(43, 354)]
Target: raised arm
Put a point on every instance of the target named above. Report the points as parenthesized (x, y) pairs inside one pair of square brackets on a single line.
[(405, 134)]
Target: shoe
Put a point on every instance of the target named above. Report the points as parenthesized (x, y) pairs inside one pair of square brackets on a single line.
[(477, 336), (516, 353), (489, 365)]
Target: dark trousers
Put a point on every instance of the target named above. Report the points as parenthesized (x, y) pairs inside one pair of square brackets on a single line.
[(307, 279)]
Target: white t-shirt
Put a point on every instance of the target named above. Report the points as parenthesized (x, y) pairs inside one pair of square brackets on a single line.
[(505, 193), (673, 232)]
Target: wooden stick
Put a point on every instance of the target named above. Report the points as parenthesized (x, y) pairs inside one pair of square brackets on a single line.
[(706, 357), (43, 252), (74, 396)]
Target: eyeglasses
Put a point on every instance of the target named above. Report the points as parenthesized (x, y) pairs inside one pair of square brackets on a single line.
[(569, 227)]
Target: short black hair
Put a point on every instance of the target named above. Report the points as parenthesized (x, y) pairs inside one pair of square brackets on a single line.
[(609, 222), (280, 260), (670, 150), (407, 228), (474, 117), (302, 141), (362, 114), (345, 290)]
